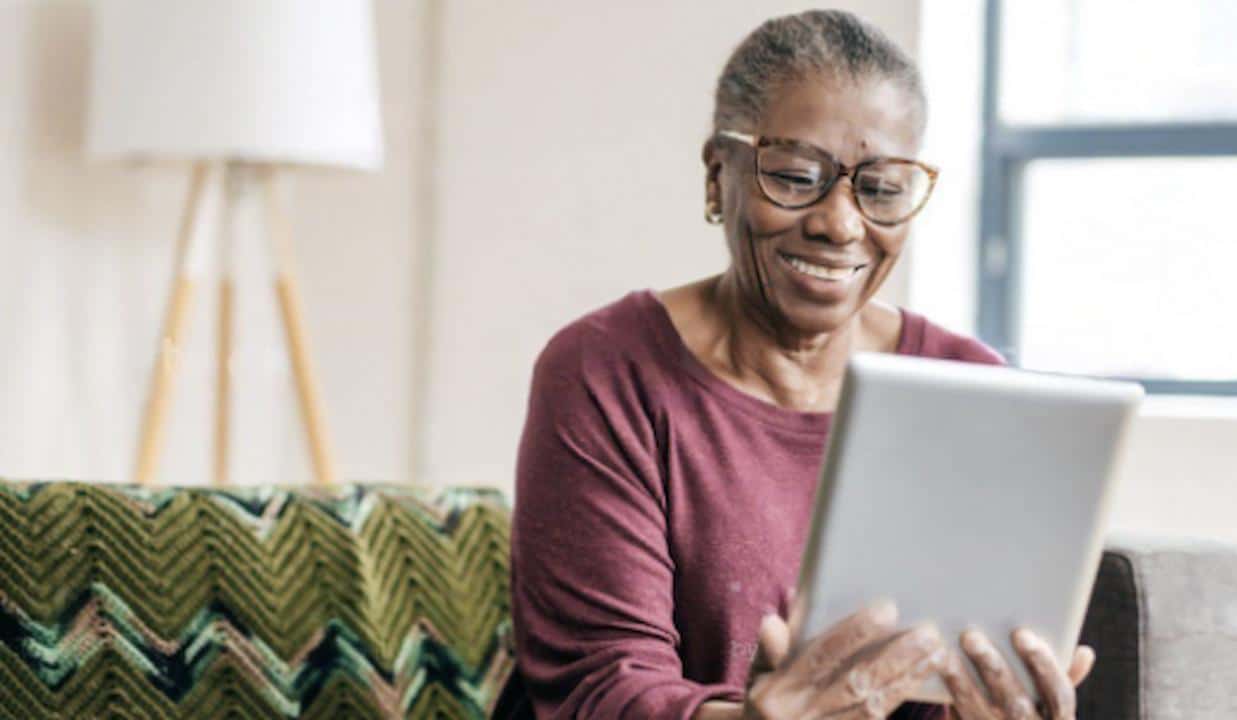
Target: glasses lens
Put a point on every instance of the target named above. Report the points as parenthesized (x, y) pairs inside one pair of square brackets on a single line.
[(793, 177), (890, 191)]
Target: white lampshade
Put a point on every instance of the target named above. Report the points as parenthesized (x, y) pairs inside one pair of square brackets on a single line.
[(261, 80)]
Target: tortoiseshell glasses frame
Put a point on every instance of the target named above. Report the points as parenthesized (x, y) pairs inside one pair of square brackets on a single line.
[(881, 201)]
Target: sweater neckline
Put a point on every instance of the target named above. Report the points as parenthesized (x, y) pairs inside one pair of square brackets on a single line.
[(910, 337)]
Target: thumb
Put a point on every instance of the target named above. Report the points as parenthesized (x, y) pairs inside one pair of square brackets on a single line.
[(1080, 667), (772, 645)]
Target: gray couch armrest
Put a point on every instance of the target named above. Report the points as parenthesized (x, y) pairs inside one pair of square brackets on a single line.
[(1163, 621)]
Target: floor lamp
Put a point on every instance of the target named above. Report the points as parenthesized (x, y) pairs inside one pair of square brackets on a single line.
[(254, 88)]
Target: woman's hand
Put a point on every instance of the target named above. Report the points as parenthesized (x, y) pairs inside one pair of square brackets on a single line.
[(1005, 698), (861, 668)]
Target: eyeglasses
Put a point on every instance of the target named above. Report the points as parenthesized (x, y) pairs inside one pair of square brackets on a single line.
[(794, 174)]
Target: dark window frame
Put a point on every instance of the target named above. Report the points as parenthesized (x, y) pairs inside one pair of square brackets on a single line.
[(1006, 151)]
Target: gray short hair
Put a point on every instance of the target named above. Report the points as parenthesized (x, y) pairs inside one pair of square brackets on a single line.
[(790, 48)]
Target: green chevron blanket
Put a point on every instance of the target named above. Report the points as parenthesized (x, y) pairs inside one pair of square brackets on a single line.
[(361, 602)]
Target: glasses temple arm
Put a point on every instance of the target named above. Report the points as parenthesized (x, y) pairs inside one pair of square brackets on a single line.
[(741, 137)]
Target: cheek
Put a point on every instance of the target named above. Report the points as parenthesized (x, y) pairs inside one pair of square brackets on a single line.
[(889, 243), (754, 223), (766, 219), (753, 215)]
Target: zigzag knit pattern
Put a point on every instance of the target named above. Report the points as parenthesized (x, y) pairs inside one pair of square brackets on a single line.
[(358, 602)]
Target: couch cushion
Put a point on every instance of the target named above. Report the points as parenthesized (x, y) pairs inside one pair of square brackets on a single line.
[(1163, 620), (260, 602)]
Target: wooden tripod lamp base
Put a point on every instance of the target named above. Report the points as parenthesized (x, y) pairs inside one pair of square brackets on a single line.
[(190, 267)]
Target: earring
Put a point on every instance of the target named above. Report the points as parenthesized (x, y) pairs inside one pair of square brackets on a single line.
[(713, 213)]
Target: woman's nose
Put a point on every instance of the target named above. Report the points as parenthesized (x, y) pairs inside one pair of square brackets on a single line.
[(834, 219)]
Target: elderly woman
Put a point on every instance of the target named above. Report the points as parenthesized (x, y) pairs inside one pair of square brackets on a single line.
[(674, 439)]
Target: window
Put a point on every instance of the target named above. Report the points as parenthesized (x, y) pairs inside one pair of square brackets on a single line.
[(1109, 161)]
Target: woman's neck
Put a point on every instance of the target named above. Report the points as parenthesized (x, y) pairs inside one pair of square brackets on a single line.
[(751, 349)]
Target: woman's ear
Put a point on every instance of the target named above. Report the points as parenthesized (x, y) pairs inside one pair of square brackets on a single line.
[(711, 154)]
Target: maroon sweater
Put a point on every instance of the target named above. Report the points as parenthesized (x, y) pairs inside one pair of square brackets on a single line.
[(659, 513)]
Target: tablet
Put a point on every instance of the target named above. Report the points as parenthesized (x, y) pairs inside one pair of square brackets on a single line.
[(971, 495)]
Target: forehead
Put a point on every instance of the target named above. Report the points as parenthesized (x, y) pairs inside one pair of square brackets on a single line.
[(852, 120)]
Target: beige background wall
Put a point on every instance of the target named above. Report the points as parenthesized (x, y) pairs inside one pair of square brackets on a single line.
[(85, 260), (571, 175), (542, 160)]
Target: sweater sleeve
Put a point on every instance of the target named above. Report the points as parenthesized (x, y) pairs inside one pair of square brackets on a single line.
[(938, 342), (592, 575)]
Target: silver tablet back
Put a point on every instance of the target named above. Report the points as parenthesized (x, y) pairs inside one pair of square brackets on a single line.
[(973, 496)]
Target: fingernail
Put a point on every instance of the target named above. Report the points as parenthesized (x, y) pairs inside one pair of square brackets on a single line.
[(927, 634), (885, 611), (972, 641), (1023, 640)]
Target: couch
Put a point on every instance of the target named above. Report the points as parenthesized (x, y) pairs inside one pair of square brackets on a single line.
[(392, 602), (361, 602), (1163, 621)]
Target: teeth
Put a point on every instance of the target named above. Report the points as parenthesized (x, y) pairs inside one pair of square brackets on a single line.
[(820, 271)]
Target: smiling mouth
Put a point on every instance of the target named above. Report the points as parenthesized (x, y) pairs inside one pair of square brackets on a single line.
[(823, 272)]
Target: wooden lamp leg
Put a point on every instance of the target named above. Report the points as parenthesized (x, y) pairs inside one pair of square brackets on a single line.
[(294, 326), (227, 292), (189, 267)]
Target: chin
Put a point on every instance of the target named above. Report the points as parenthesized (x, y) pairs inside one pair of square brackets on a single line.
[(815, 318)]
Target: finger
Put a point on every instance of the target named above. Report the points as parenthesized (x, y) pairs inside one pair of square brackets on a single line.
[(824, 653), (1055, 689), (969, 700), (1006, 692), (881, 701), (1080, 668), (881, 665), (772, 644)]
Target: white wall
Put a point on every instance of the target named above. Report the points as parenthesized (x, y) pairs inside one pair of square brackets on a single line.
[(1181, 474), (571, 174), (85, 261)]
